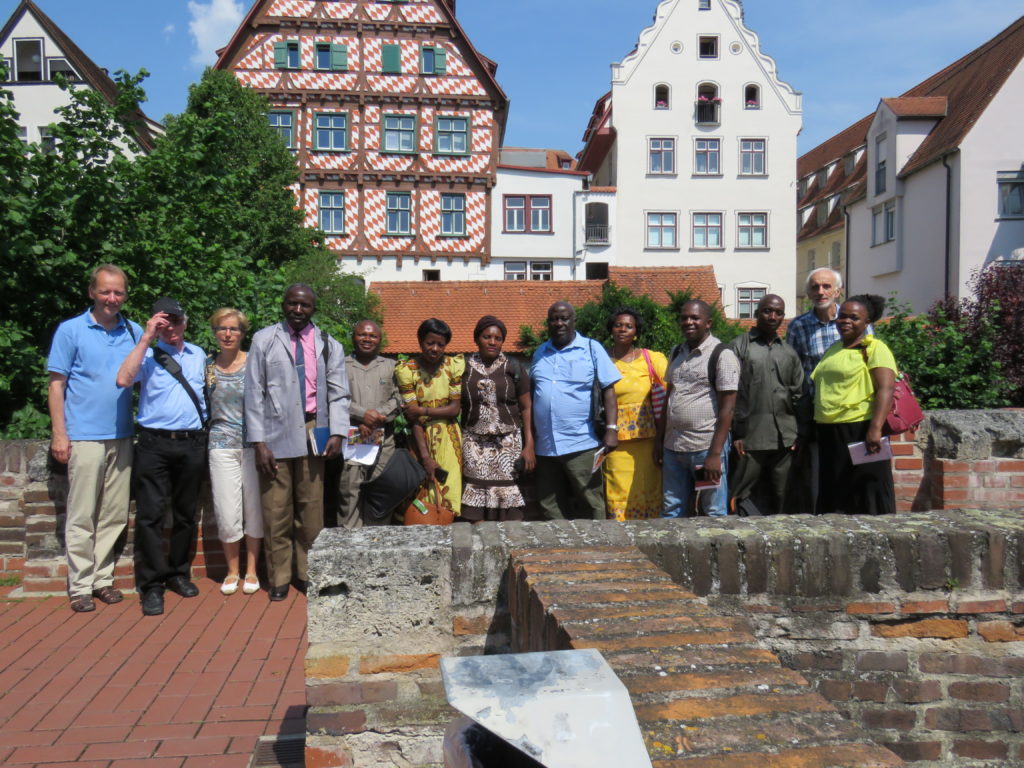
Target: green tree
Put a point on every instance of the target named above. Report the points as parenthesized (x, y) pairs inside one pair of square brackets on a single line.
[(63, 213), (661, 325), (949, 357)]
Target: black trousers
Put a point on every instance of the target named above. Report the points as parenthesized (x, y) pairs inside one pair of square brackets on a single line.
[(848, 488), (165, 470)]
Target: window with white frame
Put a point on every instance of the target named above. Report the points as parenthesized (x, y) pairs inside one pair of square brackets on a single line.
[(453, 215), (1011, 194), (399, 133), (433, 60), (661, 156), (883, 223), (707, 46), (707, 230), (452, 135), (540, 270), (283, 123), (835, 255), (60, 66), (527, 213), (330, 56), (331, 132), (880, 150), (752, 230), (515, 270), (812, 262), (332, 212), (28, 61), (752, 157), (747, 300), (47, 141), (661, 230), (399, 213), (707, 153)]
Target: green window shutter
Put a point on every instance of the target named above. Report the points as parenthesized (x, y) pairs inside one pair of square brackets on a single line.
[(339, 57), (280, 55), (391, 59), (440, 60)]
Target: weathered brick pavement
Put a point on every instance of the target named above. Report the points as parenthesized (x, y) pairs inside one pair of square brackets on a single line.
[(194, 688)]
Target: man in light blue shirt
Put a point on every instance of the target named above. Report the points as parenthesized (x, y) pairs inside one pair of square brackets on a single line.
[(170, 457), (92, 434), (563, 374)]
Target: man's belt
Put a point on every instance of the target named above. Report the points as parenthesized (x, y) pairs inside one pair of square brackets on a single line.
[(175, 434)]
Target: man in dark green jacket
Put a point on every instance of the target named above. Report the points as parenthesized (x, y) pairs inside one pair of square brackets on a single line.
[(769, 414)]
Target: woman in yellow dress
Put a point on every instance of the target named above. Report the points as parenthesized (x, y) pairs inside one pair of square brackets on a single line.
[(632, 481), (431, 388)]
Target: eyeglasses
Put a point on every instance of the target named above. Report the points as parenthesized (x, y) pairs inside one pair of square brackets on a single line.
[(226, 329)]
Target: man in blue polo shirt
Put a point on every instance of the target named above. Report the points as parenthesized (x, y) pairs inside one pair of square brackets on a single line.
[(563, 374), (92, 434), (170, 456)]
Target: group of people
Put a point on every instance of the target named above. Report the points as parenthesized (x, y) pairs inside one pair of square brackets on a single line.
[(580, 432)]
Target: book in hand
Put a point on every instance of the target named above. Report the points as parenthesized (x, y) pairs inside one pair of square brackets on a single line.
[(318, 437), (859, 452), (599, 457), (702, 483), (362, 449)]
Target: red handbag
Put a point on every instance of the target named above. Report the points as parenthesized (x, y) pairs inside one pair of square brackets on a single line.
[(422, 511), (906, 414), (658, 391)]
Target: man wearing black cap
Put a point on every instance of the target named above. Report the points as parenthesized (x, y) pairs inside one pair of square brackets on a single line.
[(170, 455)]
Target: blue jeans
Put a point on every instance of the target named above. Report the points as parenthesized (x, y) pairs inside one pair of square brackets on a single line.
[(678, 479)]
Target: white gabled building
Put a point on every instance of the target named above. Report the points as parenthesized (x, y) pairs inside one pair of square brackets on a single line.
[(944, 187), (35, 50), (697, 137)]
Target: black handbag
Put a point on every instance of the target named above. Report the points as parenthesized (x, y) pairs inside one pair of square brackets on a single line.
[(396, 483)]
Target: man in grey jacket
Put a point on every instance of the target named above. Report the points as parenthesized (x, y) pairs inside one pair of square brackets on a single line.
[(294, 382)]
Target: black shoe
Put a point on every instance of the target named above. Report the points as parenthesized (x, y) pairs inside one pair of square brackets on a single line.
[(300, 585), (182, 586), (278, 593), (153, 602)]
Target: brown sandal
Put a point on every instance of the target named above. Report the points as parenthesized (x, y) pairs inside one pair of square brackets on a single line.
[(108, 595), (82, 604)]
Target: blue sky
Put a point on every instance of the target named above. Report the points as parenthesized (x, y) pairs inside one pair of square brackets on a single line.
[(553, 55)]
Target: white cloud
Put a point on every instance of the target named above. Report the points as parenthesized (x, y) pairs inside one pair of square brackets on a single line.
[(168, 31), (211, 27)]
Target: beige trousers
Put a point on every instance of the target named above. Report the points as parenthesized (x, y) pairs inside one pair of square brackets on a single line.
[(352, 477), (293, 515), (99, 475)]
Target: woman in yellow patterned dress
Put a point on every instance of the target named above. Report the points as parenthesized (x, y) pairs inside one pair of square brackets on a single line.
[(431, 388), (632, 481)]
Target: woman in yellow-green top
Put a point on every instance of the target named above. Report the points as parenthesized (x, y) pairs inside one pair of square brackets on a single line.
[(431, 388), (853, 388), (632, 481)]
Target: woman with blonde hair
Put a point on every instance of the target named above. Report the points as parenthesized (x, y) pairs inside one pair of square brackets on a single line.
[(233, 477)]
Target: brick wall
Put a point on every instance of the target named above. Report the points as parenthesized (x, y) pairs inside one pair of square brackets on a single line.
[(32, 512), (705, 694), (844, 601)]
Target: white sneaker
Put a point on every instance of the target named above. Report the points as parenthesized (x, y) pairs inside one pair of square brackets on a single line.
[(251, 587), (230, 586)]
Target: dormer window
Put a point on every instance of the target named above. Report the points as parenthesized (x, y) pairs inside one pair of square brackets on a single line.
[(661, 97), (752, 97), (707, 47)]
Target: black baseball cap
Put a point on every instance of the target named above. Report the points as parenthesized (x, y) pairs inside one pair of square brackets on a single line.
[(168, 305)]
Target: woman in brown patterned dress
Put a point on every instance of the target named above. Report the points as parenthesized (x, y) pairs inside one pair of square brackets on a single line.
[(497, 439)]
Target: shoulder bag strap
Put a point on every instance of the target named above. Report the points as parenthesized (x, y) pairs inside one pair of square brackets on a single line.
[(172, 367), (713, 366), (650, 366)]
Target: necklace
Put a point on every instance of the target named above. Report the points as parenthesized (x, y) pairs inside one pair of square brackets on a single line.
[(630, 356), (235, 366)]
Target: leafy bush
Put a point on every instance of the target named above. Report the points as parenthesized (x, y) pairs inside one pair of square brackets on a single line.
[(948, 355), (661, 325)]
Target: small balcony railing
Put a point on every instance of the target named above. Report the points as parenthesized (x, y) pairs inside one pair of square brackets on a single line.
[(597, 234), (708, 113)]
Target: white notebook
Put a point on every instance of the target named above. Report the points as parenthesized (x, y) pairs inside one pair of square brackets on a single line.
[(859, 452)]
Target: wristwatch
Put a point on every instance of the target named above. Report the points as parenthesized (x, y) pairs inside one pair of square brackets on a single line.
[(611, 426)]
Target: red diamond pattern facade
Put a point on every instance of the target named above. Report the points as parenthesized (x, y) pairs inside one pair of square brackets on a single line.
[(356, 85)]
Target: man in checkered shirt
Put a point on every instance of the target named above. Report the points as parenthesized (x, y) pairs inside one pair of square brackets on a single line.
[(811, 334)]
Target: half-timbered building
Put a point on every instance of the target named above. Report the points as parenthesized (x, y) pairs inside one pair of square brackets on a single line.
[(395, 121)]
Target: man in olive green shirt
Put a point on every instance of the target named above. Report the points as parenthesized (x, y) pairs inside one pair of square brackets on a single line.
[(770, 415)]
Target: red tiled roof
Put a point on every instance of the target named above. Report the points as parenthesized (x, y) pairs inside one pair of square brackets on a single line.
[(969, 85), (599, 136), (554, 158), (84, 66), (918, 106), (404, 305)]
